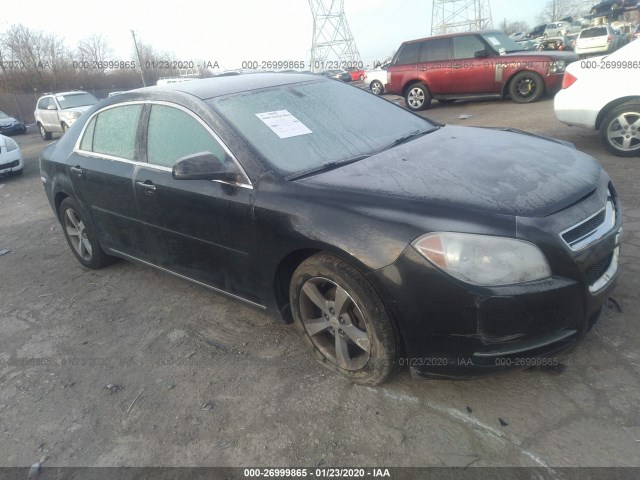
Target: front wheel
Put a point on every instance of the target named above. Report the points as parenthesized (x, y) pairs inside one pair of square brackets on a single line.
[(417, 97), (376, 87), (526, 87), (343, 319), (43, 132), (620, 130), (81, 237)]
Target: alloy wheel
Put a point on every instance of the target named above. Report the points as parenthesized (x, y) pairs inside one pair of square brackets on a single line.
[(623, 132), (415, 98), (376, 87), (77, 233), (335, 323)]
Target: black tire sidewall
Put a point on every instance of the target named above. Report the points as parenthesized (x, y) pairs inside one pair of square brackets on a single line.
[(383, 361), (535, 97)]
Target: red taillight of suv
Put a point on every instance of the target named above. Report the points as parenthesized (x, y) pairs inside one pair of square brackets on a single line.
[(568, 80), (609, 39)]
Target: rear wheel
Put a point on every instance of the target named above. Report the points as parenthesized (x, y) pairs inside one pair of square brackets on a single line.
[(43, 132), (81, 237), (343, 319), (361, 77), (526, 87), (620, 130), (376, 87), (417, 97)]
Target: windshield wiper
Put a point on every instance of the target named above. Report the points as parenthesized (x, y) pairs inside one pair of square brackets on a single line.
[(408, 137), (325, 167)]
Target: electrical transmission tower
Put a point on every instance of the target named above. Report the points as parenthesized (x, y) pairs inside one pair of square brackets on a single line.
[(450, 16), (332, 39)]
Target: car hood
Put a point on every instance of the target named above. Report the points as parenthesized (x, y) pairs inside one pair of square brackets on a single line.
[(5, 122), (493, 171), (82, 109), (556, 55)]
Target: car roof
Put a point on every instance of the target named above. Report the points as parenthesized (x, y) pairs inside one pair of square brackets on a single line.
[(218, 86), (457, 34)]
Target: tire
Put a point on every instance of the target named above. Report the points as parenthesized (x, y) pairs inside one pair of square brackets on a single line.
[(417, 97), (361, 77), (621, 141), (526, 87), (376, 87), (17, 173), (81, 237), (24, 130), (360, 344), (43, 132)]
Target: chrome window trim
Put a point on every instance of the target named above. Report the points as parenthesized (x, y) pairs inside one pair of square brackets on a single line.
[(607, 276), (78, 150), (596, 234)]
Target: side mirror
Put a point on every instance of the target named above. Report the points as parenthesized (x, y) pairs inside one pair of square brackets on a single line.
[(481, 54), (202, 166)]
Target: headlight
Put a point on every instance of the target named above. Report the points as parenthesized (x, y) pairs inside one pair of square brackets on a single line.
[(557, 67), (484, 259), (11, 144)]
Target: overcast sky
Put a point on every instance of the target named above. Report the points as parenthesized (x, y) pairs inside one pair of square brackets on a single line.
[(231, 32)]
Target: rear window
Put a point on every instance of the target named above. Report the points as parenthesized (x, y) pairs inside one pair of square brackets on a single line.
[(594, 32)]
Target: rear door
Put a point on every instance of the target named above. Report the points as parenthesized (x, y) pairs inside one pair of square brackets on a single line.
[(102, 168), (200, 229), (404, 67), (471, 75), (434, 67)]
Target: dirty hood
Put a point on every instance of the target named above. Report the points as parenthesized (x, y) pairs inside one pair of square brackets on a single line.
[(481, 169)]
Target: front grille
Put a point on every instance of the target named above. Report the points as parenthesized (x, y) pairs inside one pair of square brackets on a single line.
[(9, 165), (597, 270), (585, 228)]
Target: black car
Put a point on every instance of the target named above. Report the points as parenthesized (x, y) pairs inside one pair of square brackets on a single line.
[(341, 75), (536, 32), (388, 239)]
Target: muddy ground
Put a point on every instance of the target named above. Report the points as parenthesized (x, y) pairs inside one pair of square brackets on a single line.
[(196, 379)]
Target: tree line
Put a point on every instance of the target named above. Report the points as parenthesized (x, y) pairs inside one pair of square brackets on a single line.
[(34, 61)]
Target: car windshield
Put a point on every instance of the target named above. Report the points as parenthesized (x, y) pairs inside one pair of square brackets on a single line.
[(4, 115), (594, 32), (304, 126), (501, 42), (76, 100)]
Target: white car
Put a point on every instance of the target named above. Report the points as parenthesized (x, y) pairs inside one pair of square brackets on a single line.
[(598, 40), (603, 93), (376, 79), (556, 29), (10, 156)]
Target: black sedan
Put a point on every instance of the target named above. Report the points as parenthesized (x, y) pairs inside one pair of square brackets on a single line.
[(607, 7), (341, 75), (388, 239)]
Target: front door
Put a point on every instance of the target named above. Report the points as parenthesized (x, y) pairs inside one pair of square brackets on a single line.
[(200, 229), (471, 75)]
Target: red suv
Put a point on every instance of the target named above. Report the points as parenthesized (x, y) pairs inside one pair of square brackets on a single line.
[(473, 64)]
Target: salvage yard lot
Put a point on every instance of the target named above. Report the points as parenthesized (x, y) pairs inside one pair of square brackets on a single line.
[(198, 379)]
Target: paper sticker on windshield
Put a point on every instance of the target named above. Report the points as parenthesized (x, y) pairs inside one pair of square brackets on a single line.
[(283, 123), (494, 41)]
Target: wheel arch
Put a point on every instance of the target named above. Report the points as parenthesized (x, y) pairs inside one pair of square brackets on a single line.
[(411, 83), (57, 201), (613, 104)]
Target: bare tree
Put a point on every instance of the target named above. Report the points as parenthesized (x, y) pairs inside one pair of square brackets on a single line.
[(557, 9), (96, 50)]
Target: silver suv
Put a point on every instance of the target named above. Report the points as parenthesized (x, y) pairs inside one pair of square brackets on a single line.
[(55, 112)]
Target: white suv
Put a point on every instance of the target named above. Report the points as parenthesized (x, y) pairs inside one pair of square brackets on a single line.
[(55, 112)]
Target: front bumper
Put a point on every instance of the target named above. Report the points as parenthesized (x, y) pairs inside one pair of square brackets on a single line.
[(13, 129), (11, 161), (453, 329)]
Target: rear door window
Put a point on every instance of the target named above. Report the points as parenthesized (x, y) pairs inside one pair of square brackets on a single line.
[(114, 132)]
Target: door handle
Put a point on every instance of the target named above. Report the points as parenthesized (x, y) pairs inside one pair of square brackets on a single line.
[(77, 170), (148, 187)]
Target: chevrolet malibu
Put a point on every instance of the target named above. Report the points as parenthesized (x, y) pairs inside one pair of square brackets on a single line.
[(388, 239)]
